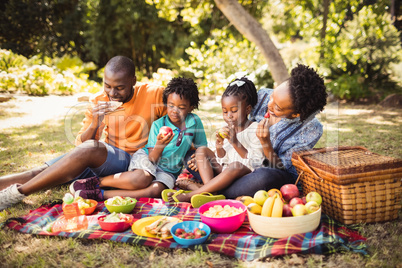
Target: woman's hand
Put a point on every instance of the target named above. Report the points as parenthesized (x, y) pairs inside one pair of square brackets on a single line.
[(263, 131), (192, 164)]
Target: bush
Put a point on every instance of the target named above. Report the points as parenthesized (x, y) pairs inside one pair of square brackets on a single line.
[(360, 58), (67, 75)]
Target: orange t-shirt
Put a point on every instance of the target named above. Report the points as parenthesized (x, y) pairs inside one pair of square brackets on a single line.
[(128, 129)]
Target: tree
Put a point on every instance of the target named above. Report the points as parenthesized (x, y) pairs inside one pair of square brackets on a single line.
[(253, 30)]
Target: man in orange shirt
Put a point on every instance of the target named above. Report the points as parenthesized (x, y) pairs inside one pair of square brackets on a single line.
[(126, 130)]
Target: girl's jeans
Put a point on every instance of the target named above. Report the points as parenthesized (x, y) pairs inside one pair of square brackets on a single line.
[(263, 178)]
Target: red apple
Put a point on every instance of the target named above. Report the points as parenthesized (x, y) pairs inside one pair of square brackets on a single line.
[(294, 201), (304, 200), (287, 211), (289, 191), (165, 131)]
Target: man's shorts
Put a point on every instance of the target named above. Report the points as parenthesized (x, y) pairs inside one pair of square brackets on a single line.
[(117, 161), (140, 160)]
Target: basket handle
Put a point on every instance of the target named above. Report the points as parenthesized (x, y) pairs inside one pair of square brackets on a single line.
[(300, 158)]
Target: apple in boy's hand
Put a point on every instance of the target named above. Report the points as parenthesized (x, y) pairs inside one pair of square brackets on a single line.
[(289, 191), (312, 206), (314, 196), (267, 115), (164, 131)]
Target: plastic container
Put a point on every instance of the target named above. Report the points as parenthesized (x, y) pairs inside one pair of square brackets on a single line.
[(121, 208), (189, 226), (115, 226), (285, 226), (223, 225), (72, 210)]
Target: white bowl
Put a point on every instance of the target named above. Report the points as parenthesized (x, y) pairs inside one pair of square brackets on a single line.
[(285, 226)]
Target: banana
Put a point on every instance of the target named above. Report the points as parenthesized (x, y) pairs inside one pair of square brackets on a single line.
[(267, 207), (254, 208), (246, 200), (278, 208)]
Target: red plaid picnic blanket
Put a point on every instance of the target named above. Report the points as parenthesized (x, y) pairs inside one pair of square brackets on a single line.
[(243, 244)]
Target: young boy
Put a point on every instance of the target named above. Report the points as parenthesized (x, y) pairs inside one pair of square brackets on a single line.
[(156, 166)]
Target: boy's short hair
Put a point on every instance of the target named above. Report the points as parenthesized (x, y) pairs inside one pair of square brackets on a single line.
[(185, 87), (307, 91)]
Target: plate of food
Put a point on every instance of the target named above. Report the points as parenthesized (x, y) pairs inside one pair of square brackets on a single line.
[(156, 226)]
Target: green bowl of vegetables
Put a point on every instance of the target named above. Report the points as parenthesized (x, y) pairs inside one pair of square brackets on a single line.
[(120, 204)]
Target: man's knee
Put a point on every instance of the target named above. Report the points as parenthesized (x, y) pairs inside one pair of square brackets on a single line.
[(91, 148)]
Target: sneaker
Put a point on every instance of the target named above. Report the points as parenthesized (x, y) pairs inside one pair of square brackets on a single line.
[(84, 184), (10, 196), (96, 194)]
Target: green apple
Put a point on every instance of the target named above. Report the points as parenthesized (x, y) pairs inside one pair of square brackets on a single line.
[(260, 197), (299, 210), (311, 207), (314, 196)]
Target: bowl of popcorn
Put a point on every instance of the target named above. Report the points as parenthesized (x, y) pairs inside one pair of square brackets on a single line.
[(120, 204), (223, 216)]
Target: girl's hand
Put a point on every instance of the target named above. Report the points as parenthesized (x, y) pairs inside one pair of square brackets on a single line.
[(232, 137), (263, 131), (164, 140), (192, 164), (219, 139)]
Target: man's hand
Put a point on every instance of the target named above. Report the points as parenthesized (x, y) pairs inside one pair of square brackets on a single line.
[(100, 110)]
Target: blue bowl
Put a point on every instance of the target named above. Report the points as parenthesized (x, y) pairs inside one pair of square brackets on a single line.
[(189, 226)]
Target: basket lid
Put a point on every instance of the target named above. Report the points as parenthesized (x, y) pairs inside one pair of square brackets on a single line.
[(347, 160)]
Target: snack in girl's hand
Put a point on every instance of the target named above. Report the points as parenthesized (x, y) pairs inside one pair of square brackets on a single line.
[(222, 132)]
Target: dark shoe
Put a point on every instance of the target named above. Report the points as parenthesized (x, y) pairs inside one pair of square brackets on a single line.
[(84, 184), (90, 194)]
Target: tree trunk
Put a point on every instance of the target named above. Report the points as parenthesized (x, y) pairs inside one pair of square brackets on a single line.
[(253, 31), (324, 26)]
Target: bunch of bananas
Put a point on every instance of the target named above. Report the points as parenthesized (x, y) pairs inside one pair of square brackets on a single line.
[(273, 207)]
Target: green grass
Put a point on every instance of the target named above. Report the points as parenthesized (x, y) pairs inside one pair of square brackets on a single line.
[(24, 148)]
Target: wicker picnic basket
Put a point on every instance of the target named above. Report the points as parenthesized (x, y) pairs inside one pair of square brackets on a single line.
[(356, 185)]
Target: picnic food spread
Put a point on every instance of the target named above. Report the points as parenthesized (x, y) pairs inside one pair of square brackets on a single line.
[(274, 203)]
